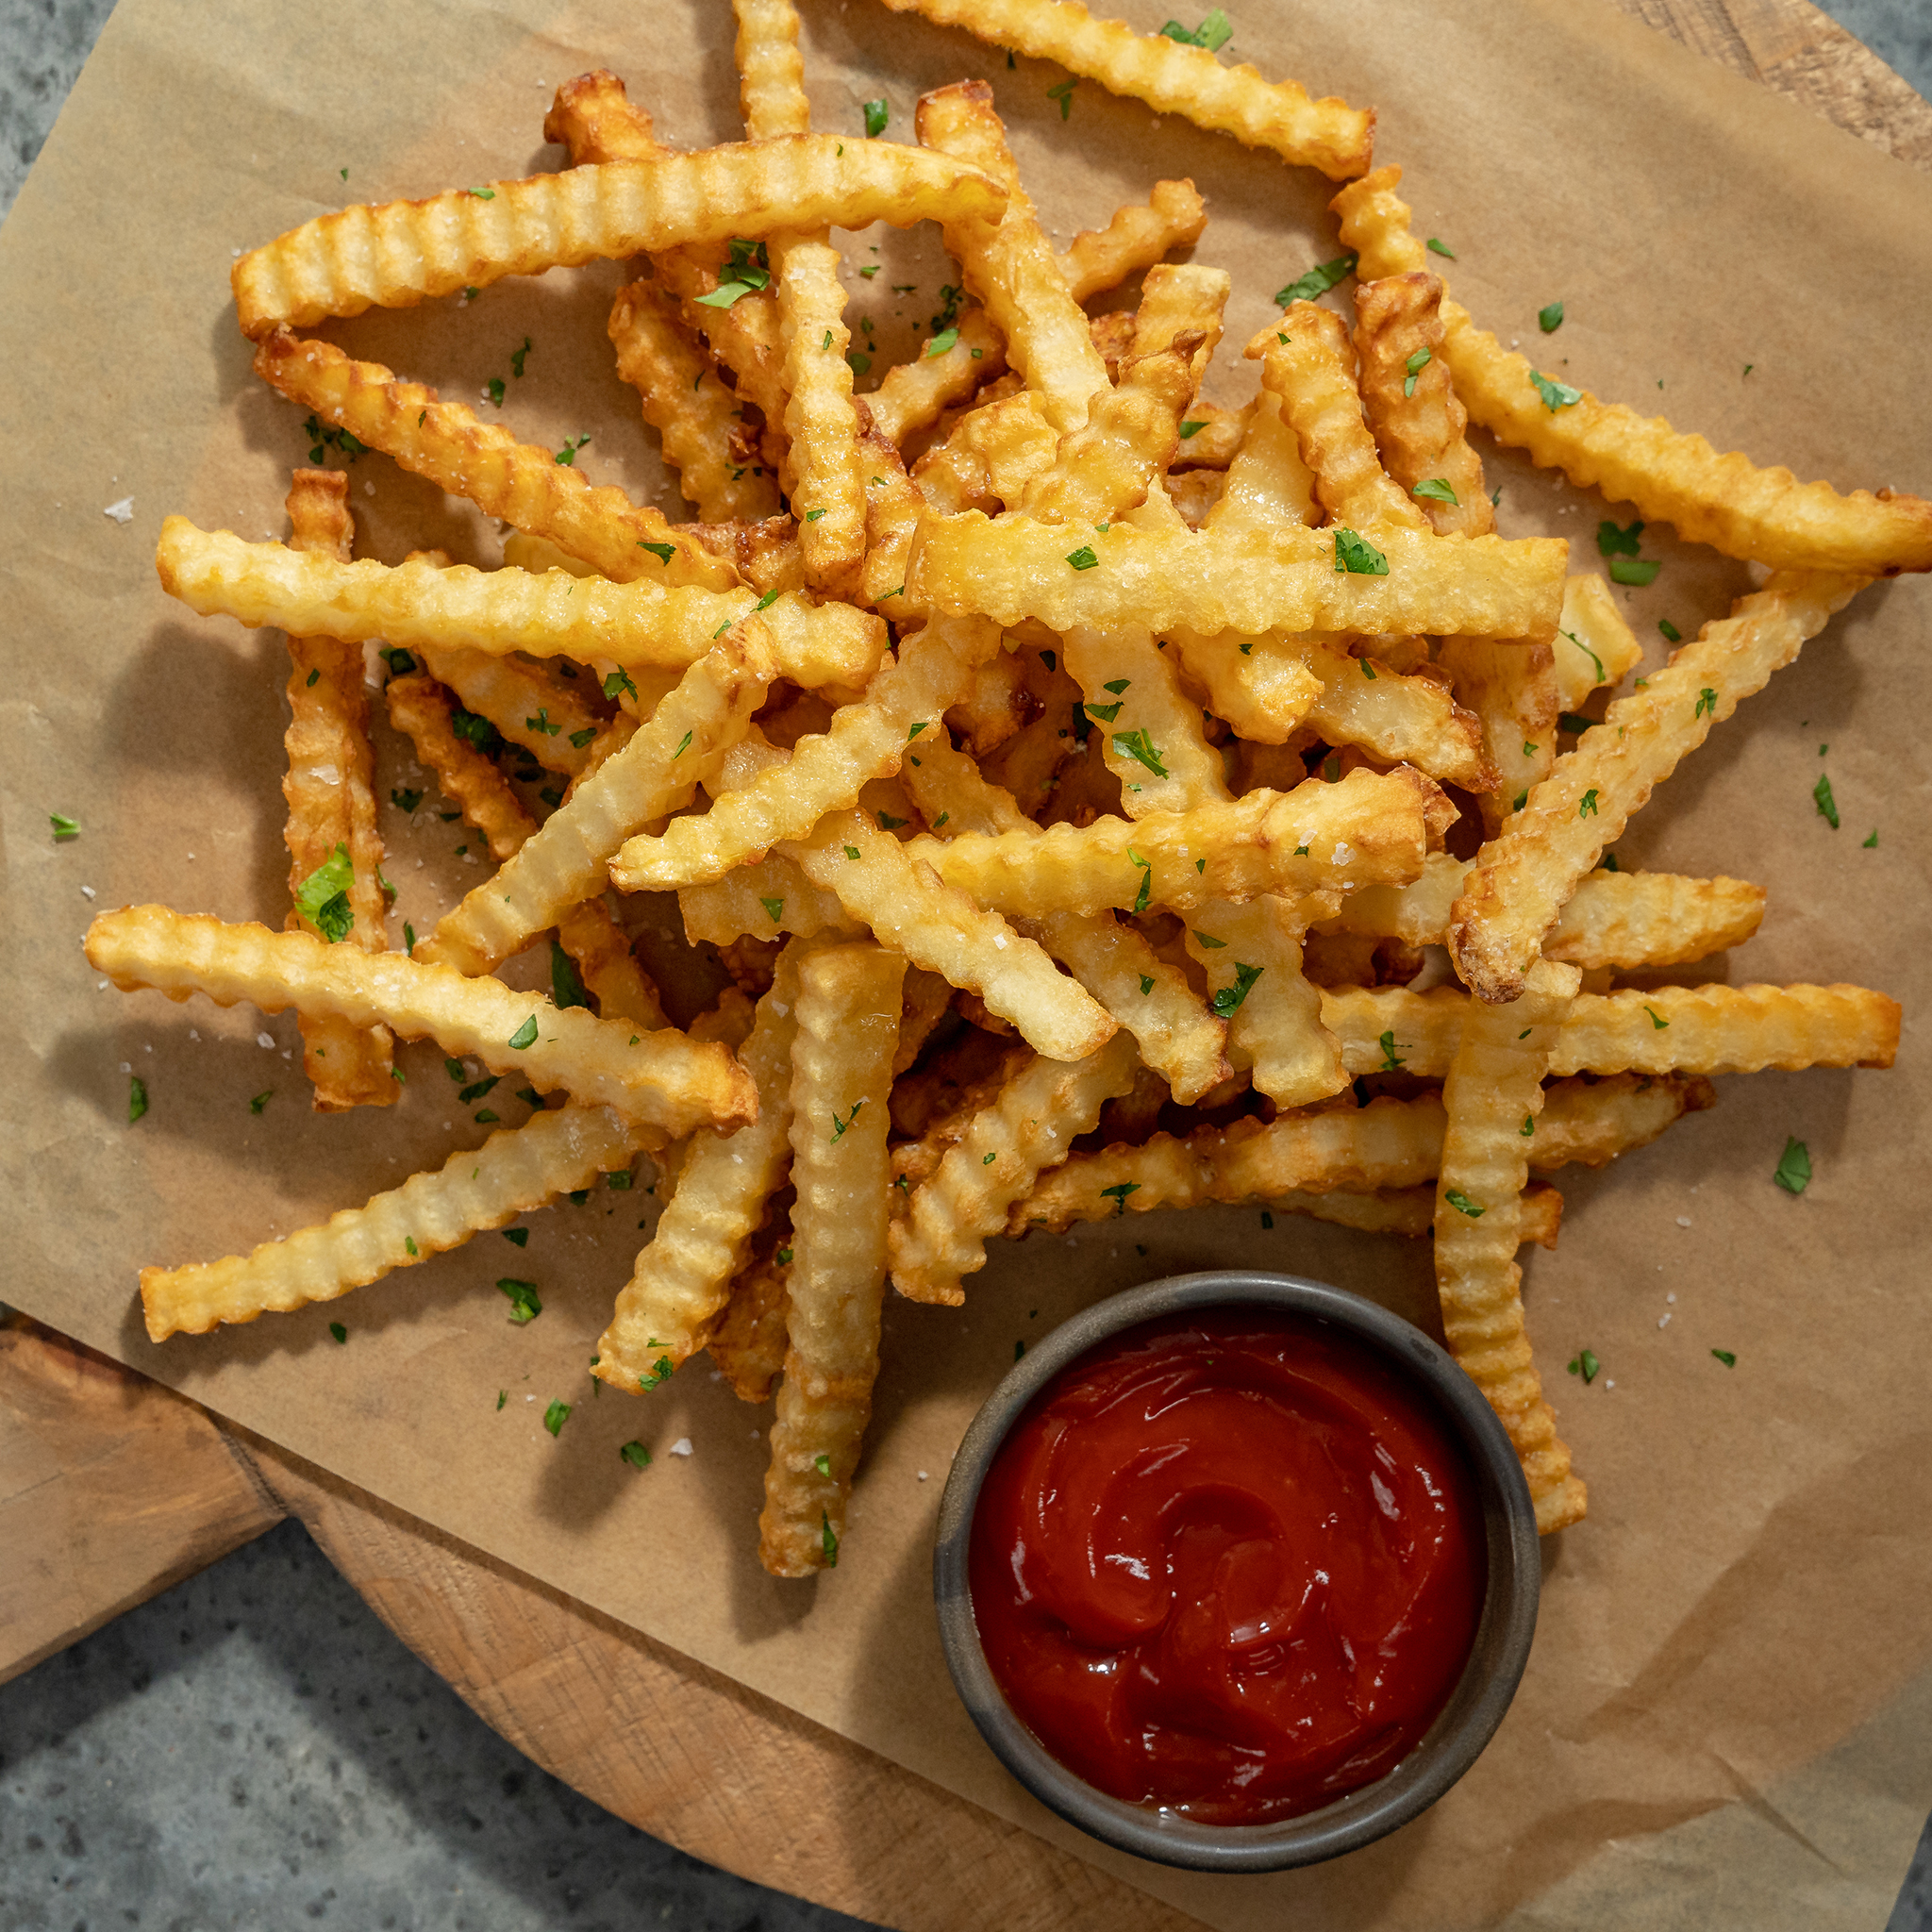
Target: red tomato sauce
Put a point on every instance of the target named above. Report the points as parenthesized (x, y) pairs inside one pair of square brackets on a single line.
[(1229, 1564)]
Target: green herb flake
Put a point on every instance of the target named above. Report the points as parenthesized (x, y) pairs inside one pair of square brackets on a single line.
[(1390, 1063), (1083, 559), (659, 1371), (852, 852), (839, 1126), (525, 1305), (137, 1098), (869, 272), (1463, 1205), (1415, 365), (340, 1333), (858, 361), (477, 1089), (323, 897), (409, 1246), (1556, 396), (784, 1256), (889, 823), (526, 1035), (1871, 840), (775, 907), (636, 1454), (1213, 33), (556, 1416), (823, 1462), (1635, 571), (495, 390), (1229, 998), (580, 739), (482, 193), (1587, 652), (1615, 540), (1528, 1126), (1063, 93), (811, 516), (877, 114), (1318, 281), (942, 341), (1441, 248), (1727, 1357), (1207, 940), (1138, 746), (1191, 429), (1706, 701), (1359, 556), (1672, 634), (518, 1237), (1437, 490), (1793, 1174), (916, 729), (1821, 798), (829, 1540), (1146, 983), (1118, 1194), (568, 454), (1584, 1363), (1586, 806)]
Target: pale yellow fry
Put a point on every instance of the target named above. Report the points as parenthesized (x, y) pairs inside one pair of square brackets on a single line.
[(550, 717), (1170, 78), (1416, 421), (1133, 697), (691, 408), (1622, 918), (607, 966), (1267, 481), (1511, 687), (1524, 876), (1726, 501), (677, 1292), (763, 899), (935, 925), (557, 614), (826, 771), (1370, 826), (771, 74), (1308, 365), (553, 1153), (1264, 694), (1139, 234), (422, 709), (1106, 465), (397, 255), (523, 485), (1396, 718), (662, 1079), (914, 395), (1178, 1037), (1704, 1029), (1594, 643), (1494, 1085), (1253, 580), (1007, 261), (822, 479), (1178, 300), (1251, 955), (328, 787), (993, 454), (568, 859), (847, 1026), (1033, 1124)]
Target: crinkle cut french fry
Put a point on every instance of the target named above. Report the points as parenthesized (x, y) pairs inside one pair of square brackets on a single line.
[(553, 1153), (1726, 501), (1106, 465), (748, 1344), (993, 454), (483, 462), (847, 1026), (677, 1292), (557, 614), (1030, 1127), (1493, 1086), (595, 119), (1137, 236), (1704, 1029), (763, 899), (1625, 919), (422, 709), (1411, 403), (822, 478), (568, 859), (529, 705), (1129, 687), (1254, 976), (1007, 261), (691, 408), (1413, 1211), (914, 395), (934, 926), (1264, 694), (406, 252), (1523, 877), (1179, 300), (1173, 79), (329, 788), (1370, 824), (607, 966), (1594, 643), (1398, 718), (826, 771), (1308, 365), (771, 74), (1512, 687), (662, 1080), (1267, 481), (1248, 579)]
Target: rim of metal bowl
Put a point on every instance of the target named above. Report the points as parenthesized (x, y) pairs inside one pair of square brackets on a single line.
[(1464, 1725)]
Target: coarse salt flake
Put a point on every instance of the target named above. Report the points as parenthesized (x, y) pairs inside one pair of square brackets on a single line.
[(682, 1446), (122, 512)]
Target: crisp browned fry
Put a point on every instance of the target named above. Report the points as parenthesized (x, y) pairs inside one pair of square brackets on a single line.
[(1493, 1091), (1035, 1121), (407, 252), (660, 1078), (422, 709), (678, 1289), (525, 486), (1725, 501), (1253, 580), (1623, 919), (748, 1344), (912, 395), (992, 456), (607, 966), (765, 554), (1512, 687), (502, 611), (1210, 436), (1524, 876), (332, 803), (1265, 693), (595, 119), (551, 717), (1170, 78), (568, 859), (1108, 464), (553, 1153), (1007, 261), (847, 1026), (826, 771), (1251, 953), (823, 477), (694, 414), (1139, 234), (1411, 403), (1594, 643)]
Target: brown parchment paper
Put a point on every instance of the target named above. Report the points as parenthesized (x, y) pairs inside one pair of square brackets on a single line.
[(1727, 1714)]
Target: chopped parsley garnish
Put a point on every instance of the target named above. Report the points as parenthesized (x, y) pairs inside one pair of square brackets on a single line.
[(1213, 33), (889, 823), (775, 907), (1318, 281), (556, 1416), (1138, 746), (852, 852), (526, 1035), (1821, 797), (1587, 652), (313, 679), (137, 1098), (1706, 701), (620, 680), (502, 1396), (823, 1462), (323, 897), (1556, 396), (1415, 365), (482, 193), (494, 389), (1586, 806), (1871, 842), (1440, 248), (405, 800), (476, 730), (1207, 940), (636, 1454), (1118, 1194), (525, 1305), (1359, 556), (568, 454), (663, 553), (1463, 1205), (1146, 983), (477, 1089), (828, 1538), (1368, 669), (1657, 1024), (542, 722), (261, 1100), (520, 1237), (1229, 998), (1727, 1357), (1793, 1173), (323, 437), (1192, 428), (1146, 866), (839, 1126), (784, 1257), (811, 516), (1390, 1062), (659, 1371), (857, 361), (1551, 319), (399, 661), (876, 113), (765, 601), (1104, 713), (1584, 1363), (1637, 571), (942, 341), (1083, 559), (1672, 634), (582, 738), (64, 827), (1528, 1126), (1613, 539), (1063, 93), (914, 731), (1438, 489), (340, 1333)]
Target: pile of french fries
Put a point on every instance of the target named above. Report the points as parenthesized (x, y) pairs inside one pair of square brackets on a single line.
[(1068, 773)]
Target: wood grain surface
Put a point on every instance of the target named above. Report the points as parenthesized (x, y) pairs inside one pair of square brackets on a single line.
[(112, 1488)]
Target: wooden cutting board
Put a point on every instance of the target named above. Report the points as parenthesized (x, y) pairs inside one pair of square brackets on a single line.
[(112, 1488)]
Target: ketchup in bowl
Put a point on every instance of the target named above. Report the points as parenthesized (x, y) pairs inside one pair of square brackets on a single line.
[(1229, 1565)]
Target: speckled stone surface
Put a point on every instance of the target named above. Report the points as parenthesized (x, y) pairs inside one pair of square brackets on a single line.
[(253, 1748)]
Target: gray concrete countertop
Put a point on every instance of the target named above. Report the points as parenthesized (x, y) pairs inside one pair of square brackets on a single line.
[(254, 1748)]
